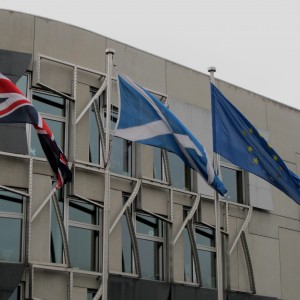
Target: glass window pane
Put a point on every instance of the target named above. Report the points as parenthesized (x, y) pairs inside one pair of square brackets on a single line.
[(157, 163), (151, 256), (94, 144), (205, 236), (22, 84), (149, 225), (57, 129), (83, 212), (232, 179), (16, 294), (188, 260), (180, 174), (113, 116), (56, 245), (49, 104), (11, 202), (208, 268), (91, 294), (126, 247), (84, 248), (10, 239), (121, 156)]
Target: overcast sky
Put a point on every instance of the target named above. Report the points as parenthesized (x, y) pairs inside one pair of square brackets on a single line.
[(254, 44)]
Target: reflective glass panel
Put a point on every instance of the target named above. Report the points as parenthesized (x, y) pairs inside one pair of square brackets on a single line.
[(84, 248), (16, 294), (91, 294), (151, 256), (56, 245), (22, 84), (83, 212), (126, 247), (157, 163), (149, 225), (10, 239), (121, 156), (49, 104), (57, 129), (232, 179), (205, 236), (11, 202), (180, 174), (188, 260), (208, 268), (94, 140)]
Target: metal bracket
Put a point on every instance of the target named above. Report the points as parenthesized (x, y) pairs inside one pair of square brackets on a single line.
[(188, 218)]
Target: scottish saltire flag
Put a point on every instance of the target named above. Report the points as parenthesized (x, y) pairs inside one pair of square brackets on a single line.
[(16, 108), (236, 139), (144, 119)]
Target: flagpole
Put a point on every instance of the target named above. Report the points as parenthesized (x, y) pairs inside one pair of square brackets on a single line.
[(106, 213), (216, 157)]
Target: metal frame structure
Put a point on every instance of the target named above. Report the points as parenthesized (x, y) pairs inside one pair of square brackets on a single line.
[(172, 237)]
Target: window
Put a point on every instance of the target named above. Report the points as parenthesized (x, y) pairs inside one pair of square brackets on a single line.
[(53, 109), (84, 235), (205, 241), (157, 163), (121, 155), (232, 178), (127, 257), (91, 294), (150, 236), (22, 84), (56, 244), (94, 134), (181, 175), (188, 257), (16, 295), (11, 226)]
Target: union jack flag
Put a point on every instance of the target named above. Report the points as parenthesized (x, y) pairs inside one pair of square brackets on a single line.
[(16, 108)]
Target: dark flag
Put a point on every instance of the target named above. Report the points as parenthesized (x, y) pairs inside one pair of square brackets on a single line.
[(16, 108)]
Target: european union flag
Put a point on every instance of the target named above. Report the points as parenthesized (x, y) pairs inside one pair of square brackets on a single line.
[(144, 119), (236, 139)]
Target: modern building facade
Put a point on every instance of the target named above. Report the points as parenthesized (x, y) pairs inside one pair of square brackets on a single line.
[(161, 221)]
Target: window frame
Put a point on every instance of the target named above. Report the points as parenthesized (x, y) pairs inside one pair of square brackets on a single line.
[(241, 182), (212, 250), (101, 103), (188, 184), (49, 117), (22, 218), (162, 265), (86, 226)]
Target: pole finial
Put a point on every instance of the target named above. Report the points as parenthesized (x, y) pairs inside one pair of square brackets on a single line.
[(211, 69), (110, 51)]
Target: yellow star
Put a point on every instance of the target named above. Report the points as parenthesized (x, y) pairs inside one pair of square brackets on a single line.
[(244, 132), (250, 149), (280, 168), (269, 145), (255, 161), (275, 157), (251, 130)]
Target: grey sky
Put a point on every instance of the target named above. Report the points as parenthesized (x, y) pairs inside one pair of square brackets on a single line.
[(254, 44)]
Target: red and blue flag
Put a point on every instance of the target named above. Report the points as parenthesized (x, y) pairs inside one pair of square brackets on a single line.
[(16, 108)]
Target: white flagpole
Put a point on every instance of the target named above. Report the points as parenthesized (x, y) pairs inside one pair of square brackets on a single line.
[(106, 213), (216, 158)]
